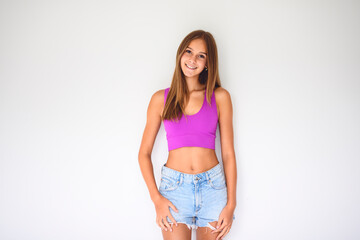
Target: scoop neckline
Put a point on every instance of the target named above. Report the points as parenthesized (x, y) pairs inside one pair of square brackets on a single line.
[(202, 106)]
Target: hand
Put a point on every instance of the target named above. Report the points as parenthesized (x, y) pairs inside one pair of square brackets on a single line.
[(225, 221), (162, 205)]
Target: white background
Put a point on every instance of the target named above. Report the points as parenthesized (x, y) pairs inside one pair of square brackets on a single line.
[(76, 78)]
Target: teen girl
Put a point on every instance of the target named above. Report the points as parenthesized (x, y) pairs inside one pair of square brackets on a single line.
[(196, 191)]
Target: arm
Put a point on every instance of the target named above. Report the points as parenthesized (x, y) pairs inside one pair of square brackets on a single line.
[(223, 100), (151, 130), (227, 144), (152, 126)]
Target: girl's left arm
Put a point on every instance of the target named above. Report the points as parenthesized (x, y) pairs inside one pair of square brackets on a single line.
[(225, 111), (227, 144)]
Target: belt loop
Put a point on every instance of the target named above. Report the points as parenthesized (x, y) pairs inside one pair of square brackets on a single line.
[(181, 178), (207, 175)]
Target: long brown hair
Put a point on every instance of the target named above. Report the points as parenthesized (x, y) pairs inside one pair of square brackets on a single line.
[(178, 92)]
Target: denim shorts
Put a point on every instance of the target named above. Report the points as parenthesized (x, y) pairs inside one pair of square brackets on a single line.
[(199, 198)]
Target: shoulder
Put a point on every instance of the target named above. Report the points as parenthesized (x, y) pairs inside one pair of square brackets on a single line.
[(221, 95), (158, 96), (157, 101), (223, 101)]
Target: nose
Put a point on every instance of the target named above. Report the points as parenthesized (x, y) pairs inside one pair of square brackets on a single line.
[(192, 58)]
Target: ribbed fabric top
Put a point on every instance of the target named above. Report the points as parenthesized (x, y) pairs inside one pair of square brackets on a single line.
[(198, 130)]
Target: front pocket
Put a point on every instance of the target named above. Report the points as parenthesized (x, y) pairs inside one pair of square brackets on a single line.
[(218, 181), (168, 184)]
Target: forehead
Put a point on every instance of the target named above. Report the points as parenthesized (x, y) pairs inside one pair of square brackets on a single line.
[(198, 45)]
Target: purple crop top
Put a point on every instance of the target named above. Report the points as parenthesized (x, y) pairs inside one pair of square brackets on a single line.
[(198, 130)]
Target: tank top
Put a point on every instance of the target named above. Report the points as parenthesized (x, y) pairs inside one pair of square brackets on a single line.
[(198, 130)]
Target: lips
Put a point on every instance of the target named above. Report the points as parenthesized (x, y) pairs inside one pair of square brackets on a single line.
[(192, 68)]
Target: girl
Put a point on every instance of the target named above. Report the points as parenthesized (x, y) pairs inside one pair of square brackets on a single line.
[(195, 191)]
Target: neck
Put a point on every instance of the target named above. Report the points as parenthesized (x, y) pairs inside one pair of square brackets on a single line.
[(194, 85)]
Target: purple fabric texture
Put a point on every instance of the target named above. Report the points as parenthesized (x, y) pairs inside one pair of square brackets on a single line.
[(198, 130)]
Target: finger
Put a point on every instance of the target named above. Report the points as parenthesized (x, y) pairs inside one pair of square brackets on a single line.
[(227, 231), (220, 223), (218, 226), (172, 219), (167, 225), (173, 207), (163, 227), (215, 230), (221, 235), (222, 226)]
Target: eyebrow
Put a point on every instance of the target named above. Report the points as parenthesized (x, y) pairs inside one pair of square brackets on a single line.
[(199, 52)]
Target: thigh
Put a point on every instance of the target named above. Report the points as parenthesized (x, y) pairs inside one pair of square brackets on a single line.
[(180, 232), (205, 233)]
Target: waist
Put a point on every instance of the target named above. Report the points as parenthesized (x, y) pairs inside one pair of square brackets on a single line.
[(192, 160), (190, 178)]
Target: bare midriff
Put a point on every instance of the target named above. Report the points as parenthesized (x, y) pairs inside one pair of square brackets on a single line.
[(192, 160)]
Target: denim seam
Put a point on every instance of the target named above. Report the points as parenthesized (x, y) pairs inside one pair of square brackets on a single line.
[(217, 187), (172, 187)]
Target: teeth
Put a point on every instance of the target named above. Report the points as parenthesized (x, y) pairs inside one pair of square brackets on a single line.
[(190, 67)]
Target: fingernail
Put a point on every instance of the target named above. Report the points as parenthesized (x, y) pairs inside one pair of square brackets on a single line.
[(217, 226)]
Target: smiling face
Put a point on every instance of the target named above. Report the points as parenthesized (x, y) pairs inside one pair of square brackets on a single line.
[(194, 59)]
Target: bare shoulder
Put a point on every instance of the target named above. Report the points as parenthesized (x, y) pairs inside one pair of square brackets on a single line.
[(223, 100), (156, 104), (158, 95), (221, 93), (222, 96)]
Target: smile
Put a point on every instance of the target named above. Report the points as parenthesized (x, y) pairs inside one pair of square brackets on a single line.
[(192, 68)]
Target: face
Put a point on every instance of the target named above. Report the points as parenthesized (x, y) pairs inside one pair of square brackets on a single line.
[(193, 61)]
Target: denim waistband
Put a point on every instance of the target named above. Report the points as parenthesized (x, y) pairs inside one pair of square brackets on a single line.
[(192, 177)]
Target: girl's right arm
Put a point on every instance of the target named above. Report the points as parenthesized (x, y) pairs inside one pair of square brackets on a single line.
[(152, 127)]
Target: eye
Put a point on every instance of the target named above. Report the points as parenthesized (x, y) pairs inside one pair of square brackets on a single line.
[(188, 51), (201, 56)]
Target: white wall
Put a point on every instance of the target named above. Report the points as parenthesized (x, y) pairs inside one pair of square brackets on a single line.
[(76, 78)]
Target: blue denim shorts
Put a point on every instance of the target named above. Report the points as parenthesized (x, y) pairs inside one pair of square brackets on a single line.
[(200, 198)]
